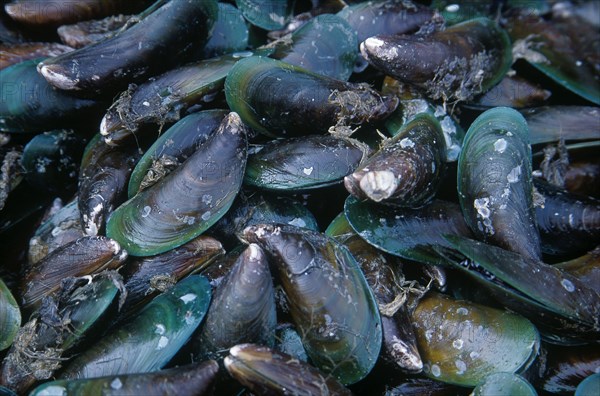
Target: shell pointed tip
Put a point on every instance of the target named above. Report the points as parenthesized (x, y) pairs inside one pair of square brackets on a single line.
[(55, 77)]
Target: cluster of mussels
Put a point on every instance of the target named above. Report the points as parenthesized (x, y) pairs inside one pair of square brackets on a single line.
[(279, 197)]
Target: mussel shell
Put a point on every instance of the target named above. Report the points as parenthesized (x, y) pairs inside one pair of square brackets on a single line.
[(323, 283), (80, 306), (410, 108), (503, 384), (585, 268), (277, 99), (29, 104), (51, 161), (255, 208), (557, 48), (148, 276), (407, 169), (149, 340), (383, 274), (243, 308), (371, 18), (160, 40), (173, 147), (495, 187), (165, 98), (551, 123), (230, 33), (569, 224), (194, 379), (63, 227), (455, 64), (84, 256), (559, 291), (589, 385), (462, 342), (36, 13), (11, 54), (265, 371), (323, 34), (560, 369), (187, 201), (266, 14), (85, 33), (413, 234), (10, 317), (308, 162), (103, 176), (512, 91)]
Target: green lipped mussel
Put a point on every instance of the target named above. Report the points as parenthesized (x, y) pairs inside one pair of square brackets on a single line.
[(277, 99), (330, 302), (187, 201)]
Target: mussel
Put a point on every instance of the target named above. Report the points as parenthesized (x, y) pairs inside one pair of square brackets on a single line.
[(495, 187), (455, 64), (277, 99), (187, 201), (330, 302)]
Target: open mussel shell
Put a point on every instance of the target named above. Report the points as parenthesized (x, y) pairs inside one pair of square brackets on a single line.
[(173, 147), (323, 34), (277, 99), (63, 320), (11, 54), (51, 161), (10, 317), (63, 227), (103, 176), (150, 339), (194, 380), (44, 14), (189, 200), (504, 384), (146, 277), (160, 40), (304, 163), (462, 342), (569, 224), (323, 283), (84, 256), (557, 290), (243, 308), (455, 64), (407, 169), (29, 104), (412, 234), (268, 372), (495, 183)]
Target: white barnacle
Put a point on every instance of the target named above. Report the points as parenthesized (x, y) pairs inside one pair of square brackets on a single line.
[(188, 298), (514, 174), (500, 145), (379, 185)]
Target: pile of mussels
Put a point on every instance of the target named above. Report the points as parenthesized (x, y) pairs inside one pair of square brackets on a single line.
[(293, 197)]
